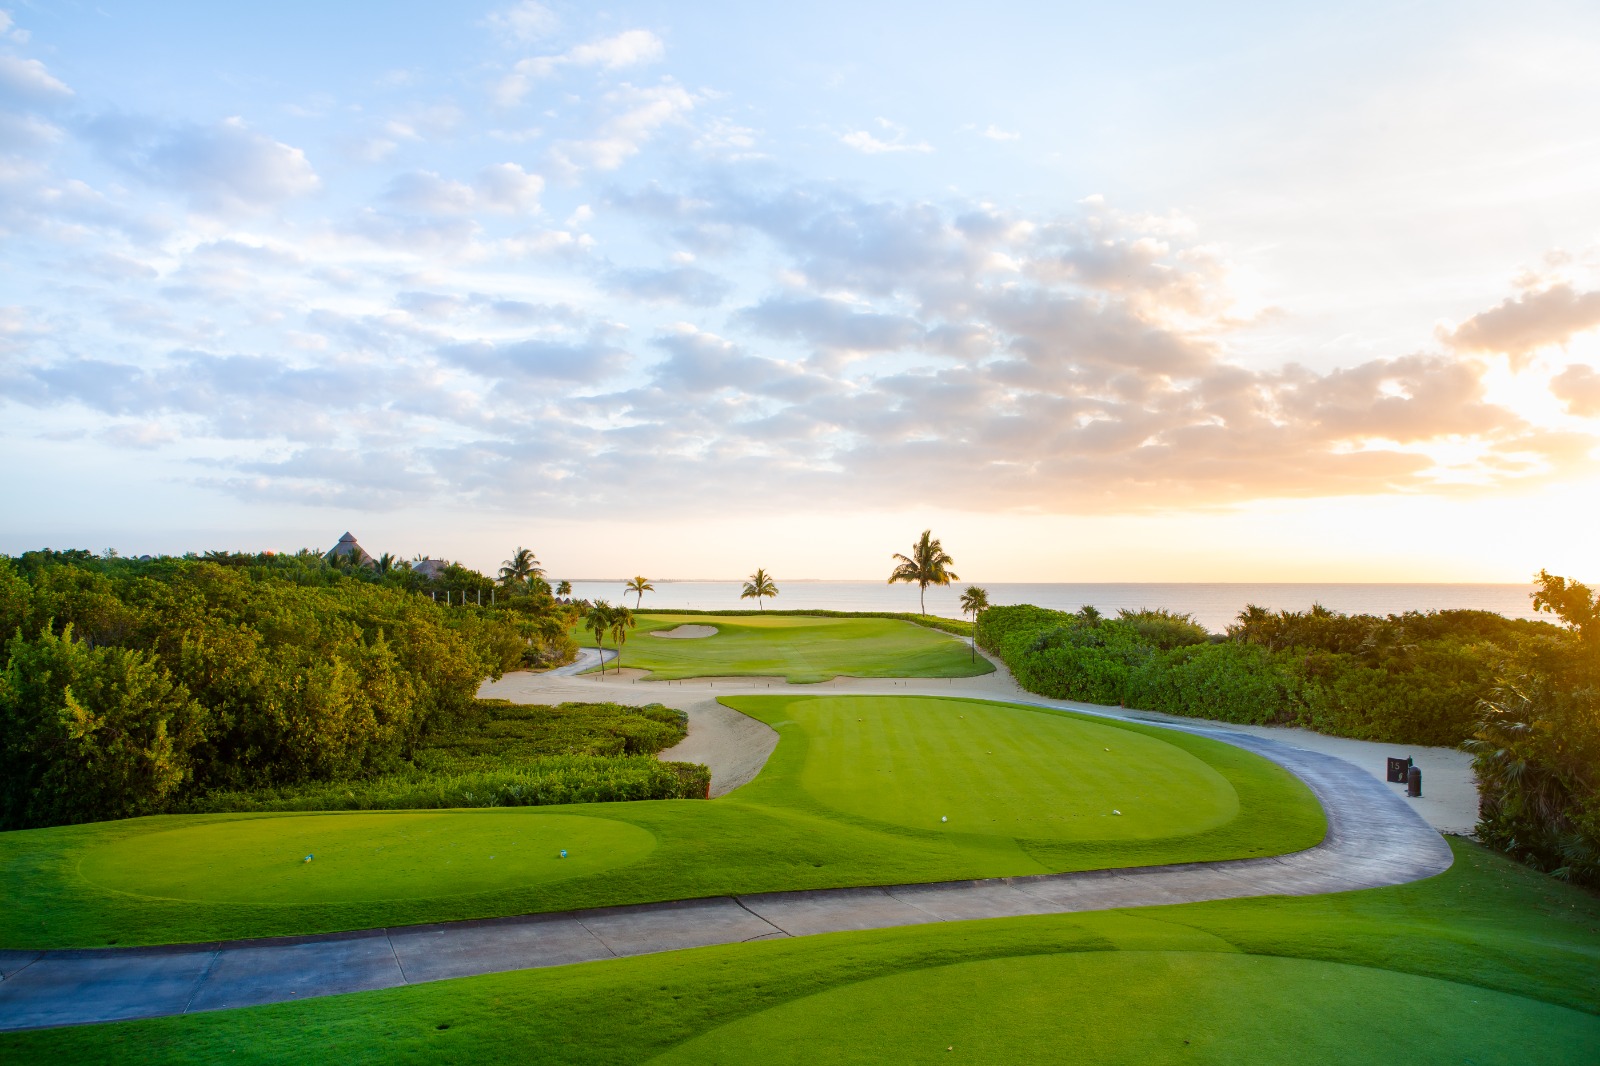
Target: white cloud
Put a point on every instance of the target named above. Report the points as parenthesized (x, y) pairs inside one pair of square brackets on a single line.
[(524, 22), (225, 166), (871, 144), (630, 48), (29, 80), (634, 117), (995, 133), (507, 187)]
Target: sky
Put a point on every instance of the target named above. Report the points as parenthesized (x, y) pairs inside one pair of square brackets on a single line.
[(1240, 292)]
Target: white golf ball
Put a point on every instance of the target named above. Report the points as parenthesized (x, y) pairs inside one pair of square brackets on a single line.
[(942, 818)]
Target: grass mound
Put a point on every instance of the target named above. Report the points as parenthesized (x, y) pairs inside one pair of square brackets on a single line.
[(363, 857), (1140, 1007), (991, 770), (803, 648)]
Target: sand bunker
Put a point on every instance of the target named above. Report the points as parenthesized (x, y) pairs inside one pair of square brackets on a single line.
[(686, 632)]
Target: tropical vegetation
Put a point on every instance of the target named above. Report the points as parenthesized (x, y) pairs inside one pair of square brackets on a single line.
[(758, 588), (132, 686), (639, 586), (928, 564)]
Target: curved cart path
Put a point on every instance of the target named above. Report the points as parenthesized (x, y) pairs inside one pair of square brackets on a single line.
[(1374, 839)]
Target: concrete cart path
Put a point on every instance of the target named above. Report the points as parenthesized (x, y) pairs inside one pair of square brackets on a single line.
[(1374, 839)]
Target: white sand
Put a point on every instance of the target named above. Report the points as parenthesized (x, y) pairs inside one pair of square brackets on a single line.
[(725, 741), (685, 632)]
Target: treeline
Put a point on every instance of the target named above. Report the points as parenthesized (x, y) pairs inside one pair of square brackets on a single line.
[(132, 686), (1524, 696)]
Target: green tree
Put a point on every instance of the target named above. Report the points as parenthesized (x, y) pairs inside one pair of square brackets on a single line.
[(388, 563), (520, 567), (926, 565), (621, 622), (974, 601), (1571, 601), (564, 589), (639, 586), (758, 588), (598, 622), (89, 733)]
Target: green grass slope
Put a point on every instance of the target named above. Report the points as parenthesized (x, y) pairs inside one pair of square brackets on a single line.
[(1486, 963), (853, 795), (803, 648)]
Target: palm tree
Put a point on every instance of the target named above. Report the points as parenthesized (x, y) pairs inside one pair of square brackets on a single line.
[(638, 586), (520, 567), (758, 587), (621, 622), (388, 562), (926, 565), (974, 601), (564, 589), (598, 622)]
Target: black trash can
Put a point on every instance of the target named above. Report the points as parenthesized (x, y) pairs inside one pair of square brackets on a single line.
[(1414, 782)]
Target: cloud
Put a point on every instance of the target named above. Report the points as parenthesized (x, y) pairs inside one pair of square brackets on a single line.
[(224, 166), (631, 48), (523, 23), (502, 187), (572, 362), (995, 133), (1578, 386), (1521, 324), (680, 284), (634, 116), (871, 144), (28, 81), (832, 324)]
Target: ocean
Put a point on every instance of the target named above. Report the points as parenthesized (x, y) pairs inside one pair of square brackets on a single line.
[(1212, 605)]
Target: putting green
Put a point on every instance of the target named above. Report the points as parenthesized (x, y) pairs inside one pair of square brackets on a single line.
[(802, 648), (1152, 1007), (364, 856), (995, 770)]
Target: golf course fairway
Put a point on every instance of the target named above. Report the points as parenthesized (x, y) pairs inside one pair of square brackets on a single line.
[(1137, 1007), (861, 790), (802, 648)]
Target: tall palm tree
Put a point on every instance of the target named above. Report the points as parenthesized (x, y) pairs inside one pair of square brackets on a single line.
[(759, 587), (564, 589), (974, 601), (598, 622), (621, 622), (926, 565), (520, 567), (638, 586)]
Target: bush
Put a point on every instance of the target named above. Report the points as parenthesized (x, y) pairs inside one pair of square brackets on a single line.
[(88, 733), (1413, 678), (542, 781)]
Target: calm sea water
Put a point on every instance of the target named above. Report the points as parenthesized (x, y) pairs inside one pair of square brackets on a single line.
[(1212, 605)]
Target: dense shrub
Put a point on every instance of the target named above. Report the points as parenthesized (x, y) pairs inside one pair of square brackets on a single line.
[(548, 779), (1413, 678), (509, 755), (191, 675), (1537, 750)]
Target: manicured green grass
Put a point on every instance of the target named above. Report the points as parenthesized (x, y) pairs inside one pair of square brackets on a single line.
[(1487, 963), (365, 856), (1040, 803), (1190, 1005), (803, 648)]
